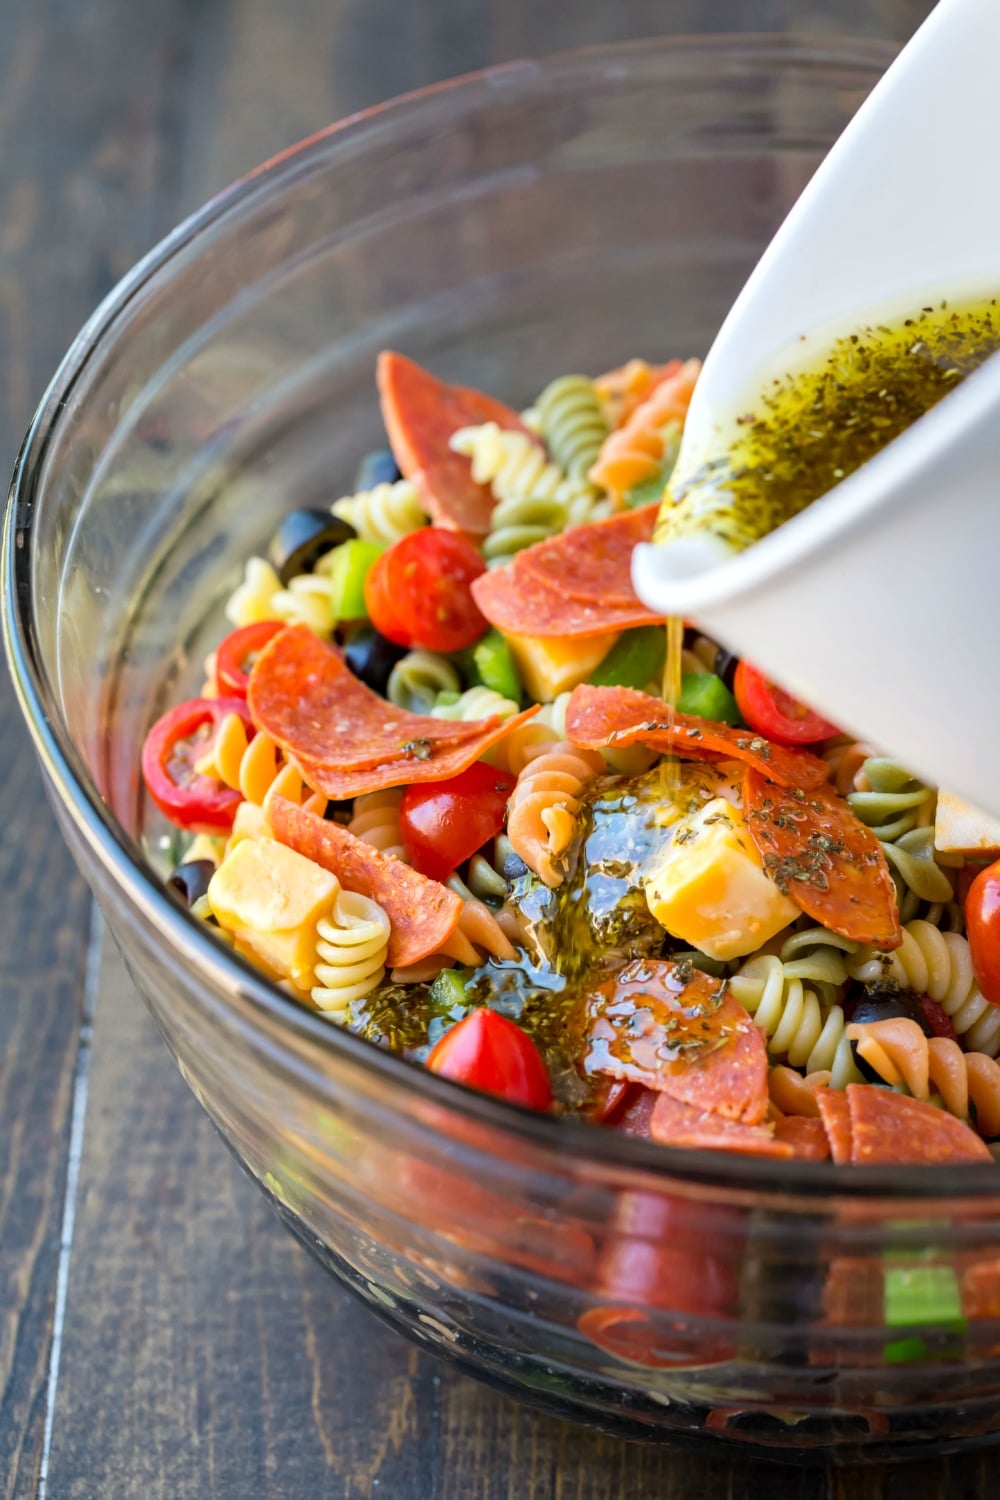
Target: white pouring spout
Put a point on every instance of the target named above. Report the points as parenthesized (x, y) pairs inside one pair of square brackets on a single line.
[(880, 603)]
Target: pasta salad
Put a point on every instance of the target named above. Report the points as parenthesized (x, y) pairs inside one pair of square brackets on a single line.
[(433, 789)]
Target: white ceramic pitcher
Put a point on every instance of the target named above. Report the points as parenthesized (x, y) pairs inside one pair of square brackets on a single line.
[(880, 604)]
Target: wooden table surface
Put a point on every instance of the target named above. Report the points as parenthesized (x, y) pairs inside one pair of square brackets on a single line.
[(160, 1334)]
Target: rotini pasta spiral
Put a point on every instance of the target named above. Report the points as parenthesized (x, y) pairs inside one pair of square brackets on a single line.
[(845, 757), (256, 768), (519, 523), (797, 1025), (899, 810), (375, 818), (306, 600), (486, 878), (937, 964), (383, 514), (635, 451), (478, 935), (418, 677), (573, 423), (621, 390), (899, 1052), (513, 466), (700, 656), (475, 703), (541, 814), (351, 946), (626, 760)]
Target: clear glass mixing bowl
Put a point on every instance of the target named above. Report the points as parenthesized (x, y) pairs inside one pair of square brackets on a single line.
[(529, 220)]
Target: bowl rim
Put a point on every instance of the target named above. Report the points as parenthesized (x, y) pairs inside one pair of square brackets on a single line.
[(104, 837)]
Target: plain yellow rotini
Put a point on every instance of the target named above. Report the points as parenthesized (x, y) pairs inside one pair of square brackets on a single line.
[(261, 596), (543, 807), (375, 818), (351, 946), (385, 513), (937, 964), (900, 1053), (796, 1023), (256, 768)]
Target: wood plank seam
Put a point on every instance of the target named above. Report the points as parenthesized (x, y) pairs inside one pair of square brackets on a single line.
[(81, 1079)]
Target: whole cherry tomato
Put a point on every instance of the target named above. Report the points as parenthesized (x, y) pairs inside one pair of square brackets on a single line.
[(237, 654), (174, 745), (982, 923), (772, 712), (418, 593), (444, 822), (485, 1051)]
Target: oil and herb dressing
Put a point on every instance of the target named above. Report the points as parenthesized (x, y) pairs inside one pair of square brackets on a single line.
[(813, 426)]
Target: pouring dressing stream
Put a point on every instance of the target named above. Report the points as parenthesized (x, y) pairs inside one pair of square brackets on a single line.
[(884, 597)]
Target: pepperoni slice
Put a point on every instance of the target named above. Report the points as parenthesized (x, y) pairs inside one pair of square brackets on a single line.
[(600, 716), (345, 738), (835, 1114), (680, 1032), (806, 1137), (889, 1129), (592, 563), (824, 858), (422, 913), (677, 1124), (522, 605), (421, 413)]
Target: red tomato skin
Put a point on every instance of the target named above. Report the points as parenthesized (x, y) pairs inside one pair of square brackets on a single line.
[(197, 803), (419, 592), (231, 675), (488, 1052), (445, 822), (772, 712), (982, 923)]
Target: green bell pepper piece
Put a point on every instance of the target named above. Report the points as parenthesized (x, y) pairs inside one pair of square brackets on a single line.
[(706, 695), (349, 567), (493, 664), (635, 659)]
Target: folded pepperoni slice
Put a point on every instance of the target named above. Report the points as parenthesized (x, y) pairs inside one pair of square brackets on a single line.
[(345, 738), (592, 563), (674, 1123), (680, 1032), (835, 1114), (421, 413), (824, 858), (523, 605), (889, 1129), (422, 913), (600, 716)]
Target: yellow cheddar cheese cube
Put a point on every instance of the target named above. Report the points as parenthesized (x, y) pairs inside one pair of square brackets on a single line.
[(710, 889), (550, 665), (270, 898), (960, 828)]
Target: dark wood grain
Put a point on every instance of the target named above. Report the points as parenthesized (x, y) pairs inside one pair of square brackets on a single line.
[(203, 1353), (75, 173)]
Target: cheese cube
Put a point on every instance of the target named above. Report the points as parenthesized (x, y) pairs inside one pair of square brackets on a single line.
[(550, 665), (270, 898), (710, 889), (960, 828)]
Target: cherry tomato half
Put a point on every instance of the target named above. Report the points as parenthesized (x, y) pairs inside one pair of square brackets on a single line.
[(418, 592), (982, 923), (772, 712), (444, 822), (173, 746), (237, 654), (485, 1051)]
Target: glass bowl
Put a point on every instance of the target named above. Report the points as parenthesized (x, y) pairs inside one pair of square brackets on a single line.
[(531, 219)]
